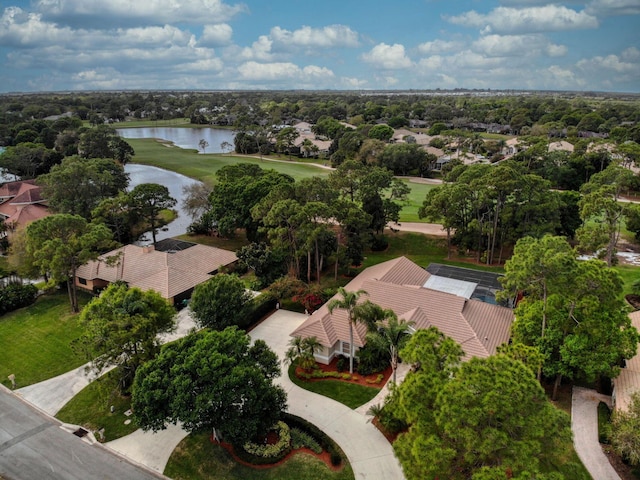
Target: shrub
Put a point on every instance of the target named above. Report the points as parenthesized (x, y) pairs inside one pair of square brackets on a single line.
[(325, 441), (371, 360), (342, 364), (604, 423), (379, 243), (16, 295), (257, 308), (376, 380), (300, 439), (272, 451)]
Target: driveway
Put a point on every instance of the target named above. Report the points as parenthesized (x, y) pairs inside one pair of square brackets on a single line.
[(368, 451), (584, 424)]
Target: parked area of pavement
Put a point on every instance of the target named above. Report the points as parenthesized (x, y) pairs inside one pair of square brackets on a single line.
[(584, 424)]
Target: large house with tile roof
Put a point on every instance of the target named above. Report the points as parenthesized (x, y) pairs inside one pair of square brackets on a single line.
[(21, 203), (173, 273), (628, 382), (399, 285)]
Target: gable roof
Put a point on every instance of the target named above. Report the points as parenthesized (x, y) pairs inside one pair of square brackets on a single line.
[(628, 382), (169, 273), (11, 189), (398, 285)]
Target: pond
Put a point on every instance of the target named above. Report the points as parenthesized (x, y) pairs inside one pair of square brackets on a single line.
[(174, 182), (183, 137)]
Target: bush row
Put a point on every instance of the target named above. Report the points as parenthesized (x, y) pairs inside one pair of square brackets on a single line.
[(300, 439), (257, 308), (275, 450), (16, 295), (325, 441)]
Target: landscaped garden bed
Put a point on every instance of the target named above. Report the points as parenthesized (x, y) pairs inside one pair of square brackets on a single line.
[(322, 372)]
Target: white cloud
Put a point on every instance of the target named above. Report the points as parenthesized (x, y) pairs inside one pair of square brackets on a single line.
[(389, 57), (610, 64), (259, 50), (325, 37), (613, 7), (517, 45), (352, 82), (216, 35), (109, 12), (438, 46), (255, 71), (21, 29), (631, 54), (548, 18)]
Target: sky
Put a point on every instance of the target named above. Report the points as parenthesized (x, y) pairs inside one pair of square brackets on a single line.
[(60, 45)]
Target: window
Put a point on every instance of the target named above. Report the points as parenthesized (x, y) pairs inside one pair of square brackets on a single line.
[(82, 281)]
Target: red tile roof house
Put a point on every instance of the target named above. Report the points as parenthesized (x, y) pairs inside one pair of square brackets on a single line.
[(21, 203), (628, 382), (398, 285), (172, 273)]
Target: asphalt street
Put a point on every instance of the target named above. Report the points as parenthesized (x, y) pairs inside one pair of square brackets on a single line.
[(35, 447)]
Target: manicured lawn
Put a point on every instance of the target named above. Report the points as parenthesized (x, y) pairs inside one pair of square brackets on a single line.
[(204, 167), (90, 408), (197, 458), (348, 394), (232, 244), (36, 340)]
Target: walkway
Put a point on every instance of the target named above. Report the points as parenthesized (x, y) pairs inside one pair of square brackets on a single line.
[(370, 454), (584, 424)]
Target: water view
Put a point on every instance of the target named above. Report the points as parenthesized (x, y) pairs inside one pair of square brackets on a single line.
[(183, 137), (174, 182)]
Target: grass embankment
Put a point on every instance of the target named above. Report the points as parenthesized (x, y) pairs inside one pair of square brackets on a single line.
[(204, 167), (36, 340), (197, 458), (348, 394), (91, 408)]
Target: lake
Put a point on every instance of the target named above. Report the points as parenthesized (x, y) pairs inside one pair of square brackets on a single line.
[(183, 137), (174, 182)]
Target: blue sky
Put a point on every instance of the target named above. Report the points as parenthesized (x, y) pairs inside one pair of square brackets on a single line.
[(348, 44)]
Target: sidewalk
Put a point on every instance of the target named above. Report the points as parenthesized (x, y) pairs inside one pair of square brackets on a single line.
[(584, 424)]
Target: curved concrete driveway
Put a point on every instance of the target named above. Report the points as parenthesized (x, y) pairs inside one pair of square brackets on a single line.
[(369, 452), (584, 424)]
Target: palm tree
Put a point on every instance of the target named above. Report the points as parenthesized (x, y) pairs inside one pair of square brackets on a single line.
[(348, 302), (370, 314), (301, 351), (391, 335)]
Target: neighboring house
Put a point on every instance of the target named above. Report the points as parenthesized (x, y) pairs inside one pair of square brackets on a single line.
[(561, 145), (628, 382), (171, 268), (21, 203), (399, 285)]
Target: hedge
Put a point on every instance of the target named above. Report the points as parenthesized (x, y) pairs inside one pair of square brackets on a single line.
[(256, 309), (325, 441), (272, 451), (16, 295)]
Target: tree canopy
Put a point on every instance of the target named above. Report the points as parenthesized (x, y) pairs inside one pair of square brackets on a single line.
[(147, 200), (213, 379), (219, 302), (122, 327)]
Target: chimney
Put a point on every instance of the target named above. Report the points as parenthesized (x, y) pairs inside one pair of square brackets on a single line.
[(148, 248)]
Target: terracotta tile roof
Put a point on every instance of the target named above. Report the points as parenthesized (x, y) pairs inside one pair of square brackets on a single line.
[(167, 273), (28, 195), (11, 189), (628, 382), (22, 215), (398, 285)]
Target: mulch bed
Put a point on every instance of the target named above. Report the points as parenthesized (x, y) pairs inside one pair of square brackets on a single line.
[(324, 456), (365, 380)]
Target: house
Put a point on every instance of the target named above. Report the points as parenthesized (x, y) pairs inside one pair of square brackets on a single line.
[(561, 145), (628, 382), (399, 285), (172, 268), (21, 203)]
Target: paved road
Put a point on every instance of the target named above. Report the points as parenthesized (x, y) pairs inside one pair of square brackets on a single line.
[(584, 424), (369, 453), (35, 447)]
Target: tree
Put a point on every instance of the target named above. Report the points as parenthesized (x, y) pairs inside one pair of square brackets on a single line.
[(347, 301), (625, 431), (219, 302), (391, 335), (59, 244), (122, 327), (195, 199), (117, 214), (203, 144), (104, 142), (148, 200), (28, 160), (267, 263), (285, 140), (77, 185), (301, 352), (213, 379), (490, 414), (381, 132), (225, 147)]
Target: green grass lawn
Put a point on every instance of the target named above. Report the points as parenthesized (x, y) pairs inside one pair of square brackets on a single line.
[(348, 394), (204, 167), (90, 408), (197, 458), (36, 340)]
